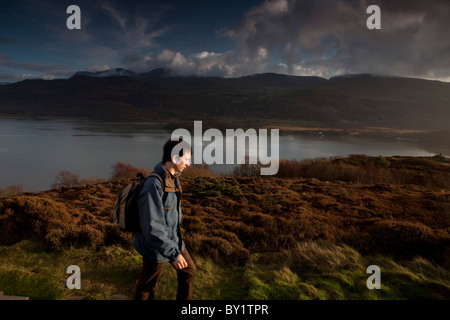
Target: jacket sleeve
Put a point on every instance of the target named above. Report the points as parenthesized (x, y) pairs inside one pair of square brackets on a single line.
[(153, 223)]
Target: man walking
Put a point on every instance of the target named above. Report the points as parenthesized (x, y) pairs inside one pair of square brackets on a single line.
[(160, 238)]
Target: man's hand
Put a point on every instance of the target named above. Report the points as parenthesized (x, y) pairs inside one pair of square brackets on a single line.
[(180, 263)]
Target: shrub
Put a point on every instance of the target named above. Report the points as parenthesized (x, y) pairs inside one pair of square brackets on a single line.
[(11, 191), (66, 178), (215, 187), (198, 170), (382, 162), (247, 170), (440, 158), (127, 171)]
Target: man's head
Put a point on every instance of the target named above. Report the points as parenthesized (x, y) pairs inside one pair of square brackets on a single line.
[(177, 154)]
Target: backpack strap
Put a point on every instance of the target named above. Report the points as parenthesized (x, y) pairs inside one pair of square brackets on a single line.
[(163, 185)]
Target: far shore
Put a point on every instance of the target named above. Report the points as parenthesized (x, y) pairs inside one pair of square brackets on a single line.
[(433, 141)]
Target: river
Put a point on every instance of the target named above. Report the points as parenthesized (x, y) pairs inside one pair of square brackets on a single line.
[(32, 152)]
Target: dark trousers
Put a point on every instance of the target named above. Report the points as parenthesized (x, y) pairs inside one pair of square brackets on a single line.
[(147, 283)]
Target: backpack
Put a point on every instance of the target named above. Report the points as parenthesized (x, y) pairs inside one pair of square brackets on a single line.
[(126, 209)]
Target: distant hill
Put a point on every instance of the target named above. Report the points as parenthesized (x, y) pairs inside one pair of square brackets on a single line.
[(120, 94), (118, 72)]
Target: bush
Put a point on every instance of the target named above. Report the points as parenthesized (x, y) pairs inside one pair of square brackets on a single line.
[(11, 191), (198, 170), (440, 158), (247, 170), (66, 178), (216, 187), (127, 171), (382, 162)]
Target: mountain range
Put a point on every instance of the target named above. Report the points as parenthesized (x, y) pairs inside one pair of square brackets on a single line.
[(159, 95)]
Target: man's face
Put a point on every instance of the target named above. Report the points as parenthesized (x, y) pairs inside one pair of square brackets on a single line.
[(183, 162)]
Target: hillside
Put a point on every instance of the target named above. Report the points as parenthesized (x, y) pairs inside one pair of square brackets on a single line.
[(249, 221), (344, 102)]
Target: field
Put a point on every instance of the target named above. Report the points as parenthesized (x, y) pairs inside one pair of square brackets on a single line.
[(310, 232)]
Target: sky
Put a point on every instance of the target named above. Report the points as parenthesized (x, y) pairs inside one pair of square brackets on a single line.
[(225, 38)]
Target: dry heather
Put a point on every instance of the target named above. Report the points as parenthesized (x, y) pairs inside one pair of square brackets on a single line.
[(362, 169), (228, 219), (78, 216), (269, 215)]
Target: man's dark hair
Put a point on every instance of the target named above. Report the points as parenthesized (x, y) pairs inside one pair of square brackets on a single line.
[(171, 148)]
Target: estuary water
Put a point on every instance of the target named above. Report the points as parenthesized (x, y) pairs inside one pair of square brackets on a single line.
[(32, 152)]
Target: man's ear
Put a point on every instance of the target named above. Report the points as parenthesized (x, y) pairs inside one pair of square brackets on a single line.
[(176, 159)]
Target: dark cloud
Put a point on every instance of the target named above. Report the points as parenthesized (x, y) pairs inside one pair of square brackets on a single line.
[(325, 38), (328, 37)]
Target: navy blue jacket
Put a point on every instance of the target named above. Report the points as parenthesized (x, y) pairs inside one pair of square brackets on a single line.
[(160, 216)]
